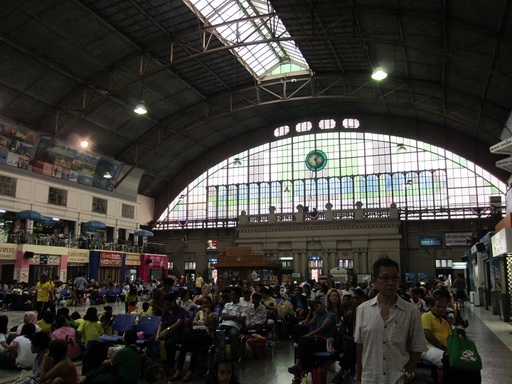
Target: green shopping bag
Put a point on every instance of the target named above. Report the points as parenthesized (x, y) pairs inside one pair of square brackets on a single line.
[(462, 354)]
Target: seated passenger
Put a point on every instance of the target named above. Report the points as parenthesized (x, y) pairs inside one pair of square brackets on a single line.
[(28, 317), (256, 314), (316, 340), (417, 301), (4, 321), (300, 304), (46, 322), (19, 354), (270, 303), (202, 335), (124, 367), (437, 330), (63, 370), (170, 329), (67, 333), (39, 345), (233, 319), (90, 329)]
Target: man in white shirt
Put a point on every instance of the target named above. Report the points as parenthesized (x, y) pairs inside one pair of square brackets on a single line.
[(245, 300), (256, 314), (417, 301), (389, 335), (233, 318)]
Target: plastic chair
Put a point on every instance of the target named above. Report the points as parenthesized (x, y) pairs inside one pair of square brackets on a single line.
[(148, 325), (122, 323)]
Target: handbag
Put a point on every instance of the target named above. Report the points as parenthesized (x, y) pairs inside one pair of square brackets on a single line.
[(462, 354)]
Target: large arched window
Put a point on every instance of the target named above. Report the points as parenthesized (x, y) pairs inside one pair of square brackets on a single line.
[(427, 181)]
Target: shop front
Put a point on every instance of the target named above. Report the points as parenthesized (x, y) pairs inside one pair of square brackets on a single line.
[(107, 267), (132, 265), (78, 263), (502, 248), (34, 260), (153, 267), (247, 269), (8, 254)]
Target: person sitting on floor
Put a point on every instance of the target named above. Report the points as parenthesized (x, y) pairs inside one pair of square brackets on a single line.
[(28, 317), (4, 321), (67, 333), (19, 354), (39, 345), (90, 329), (437, 330), (126, 363), (46, 322), (63, 370)]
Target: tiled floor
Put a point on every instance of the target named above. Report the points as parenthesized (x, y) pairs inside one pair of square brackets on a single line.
[(492, 336)]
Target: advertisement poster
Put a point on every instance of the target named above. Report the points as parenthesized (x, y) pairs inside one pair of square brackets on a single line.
[(111, 259), (16, 145), (80, 166)]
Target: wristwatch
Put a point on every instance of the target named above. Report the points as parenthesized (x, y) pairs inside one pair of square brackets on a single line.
[(409, 375)]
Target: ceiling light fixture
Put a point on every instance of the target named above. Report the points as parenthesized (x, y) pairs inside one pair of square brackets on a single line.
[(379, 74), (408, 184), (237, 161), (401, 148), (107, 175), (84, 143), (140, 109)]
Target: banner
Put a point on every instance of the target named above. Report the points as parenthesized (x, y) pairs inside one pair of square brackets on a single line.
[(8, 251), (78, 256), (157, 261), (111, 259), (132, 259), (458, 239)]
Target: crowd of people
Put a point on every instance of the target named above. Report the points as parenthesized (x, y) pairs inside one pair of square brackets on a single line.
[(369, 322)]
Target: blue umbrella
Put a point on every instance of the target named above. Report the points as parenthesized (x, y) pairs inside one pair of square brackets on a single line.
[(95, 225), (29, 215), (144, 233), (46, 220)]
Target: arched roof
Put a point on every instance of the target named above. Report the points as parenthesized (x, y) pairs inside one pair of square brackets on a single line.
[(77, 67)]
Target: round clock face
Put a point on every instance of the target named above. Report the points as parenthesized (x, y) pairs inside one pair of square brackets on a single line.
[(316, 160)]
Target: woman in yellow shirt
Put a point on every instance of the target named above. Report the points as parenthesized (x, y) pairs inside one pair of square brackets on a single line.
[(46, 322), (131, 297), (90, 329)]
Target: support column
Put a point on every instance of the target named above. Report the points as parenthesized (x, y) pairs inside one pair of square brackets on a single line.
[(364, 259)]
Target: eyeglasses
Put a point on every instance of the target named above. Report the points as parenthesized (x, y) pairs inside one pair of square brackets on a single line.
[(387, 279)]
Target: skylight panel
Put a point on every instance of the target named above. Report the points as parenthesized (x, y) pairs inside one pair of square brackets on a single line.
[(251, 21)]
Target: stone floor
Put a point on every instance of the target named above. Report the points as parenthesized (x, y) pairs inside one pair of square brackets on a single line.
[(492, 336)]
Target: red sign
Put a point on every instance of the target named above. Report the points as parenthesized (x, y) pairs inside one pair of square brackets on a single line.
[(322, 278), (157, 261), (211, 245), (111, 259)]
